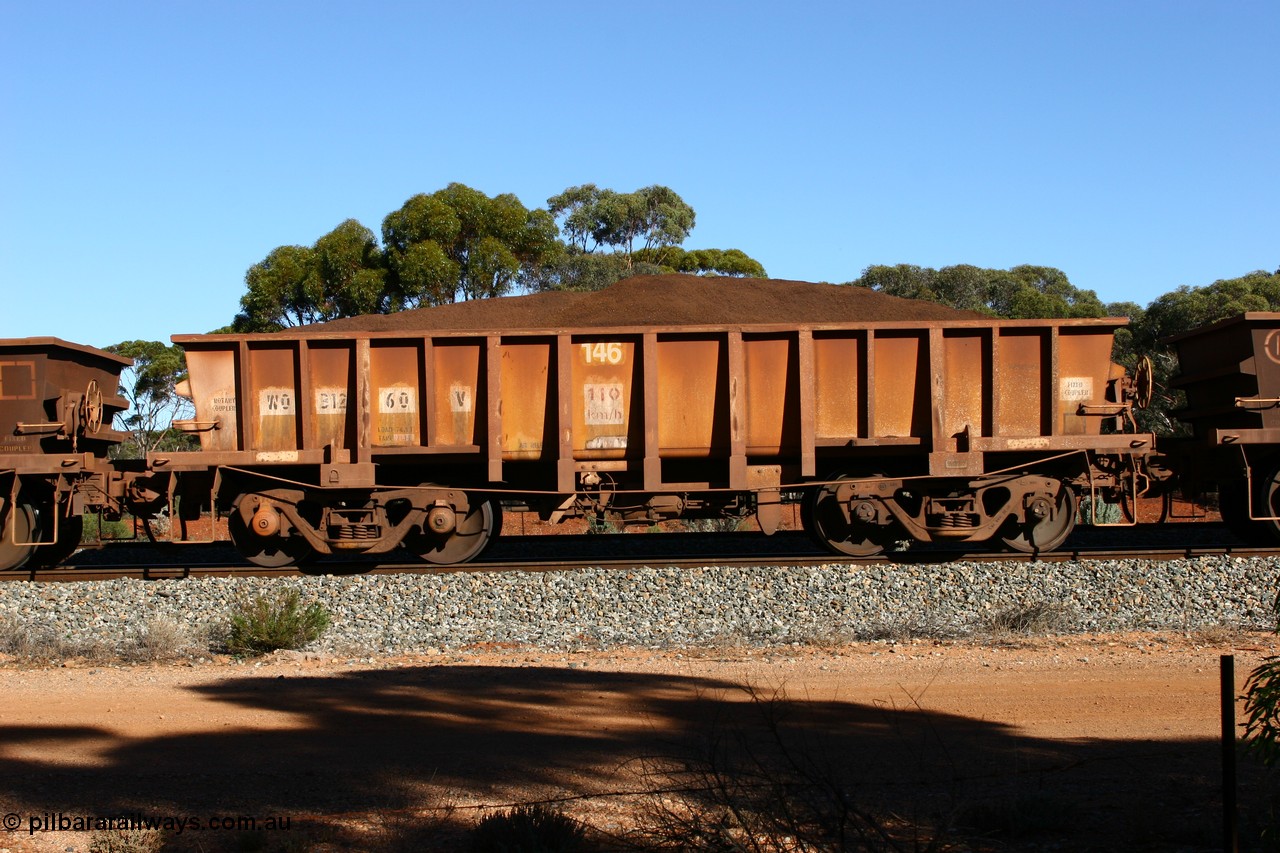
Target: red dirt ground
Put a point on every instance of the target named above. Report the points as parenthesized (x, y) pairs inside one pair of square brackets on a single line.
[(1096, 742)]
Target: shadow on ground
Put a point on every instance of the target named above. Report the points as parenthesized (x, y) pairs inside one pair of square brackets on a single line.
[(393, 742)]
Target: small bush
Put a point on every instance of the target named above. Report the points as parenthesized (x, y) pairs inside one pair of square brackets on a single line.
[(1262, 706), (1029, 813), (761, 792), (712, 525), (161, 639), (1040, 617), (99, 530), (528, 829), (126, 841), (1100, 512), (259, 626), (599, 525), (37, 643)]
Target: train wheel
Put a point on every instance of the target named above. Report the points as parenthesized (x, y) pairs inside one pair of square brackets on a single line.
[(20, 519), (470, 535), (1049, 532), (269, 552), (1233, 505), (70, 531), (823, 518), (1266, 502)]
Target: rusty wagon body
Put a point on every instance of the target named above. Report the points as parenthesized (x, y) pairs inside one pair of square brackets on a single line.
[(318, 442), (1230, 373), (57, 401)]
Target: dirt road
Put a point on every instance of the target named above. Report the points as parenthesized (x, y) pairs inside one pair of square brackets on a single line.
[(1086, 743)]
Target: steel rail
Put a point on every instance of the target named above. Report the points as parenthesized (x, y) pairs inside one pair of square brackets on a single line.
[(742, 556)]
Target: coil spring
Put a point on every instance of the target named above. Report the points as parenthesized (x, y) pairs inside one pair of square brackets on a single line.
[(353, 532), (957, 520)]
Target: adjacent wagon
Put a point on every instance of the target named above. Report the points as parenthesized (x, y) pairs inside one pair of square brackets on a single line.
[(1230, 373), (57, 401)]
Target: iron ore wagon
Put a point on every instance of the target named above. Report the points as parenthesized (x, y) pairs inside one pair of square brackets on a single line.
[(1230, 372), (57, 401), (344, 438)]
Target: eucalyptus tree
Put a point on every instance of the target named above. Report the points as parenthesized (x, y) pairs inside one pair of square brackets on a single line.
[(150, 387), (457, 243), (1021, 292), (340, 275), (650, 218)]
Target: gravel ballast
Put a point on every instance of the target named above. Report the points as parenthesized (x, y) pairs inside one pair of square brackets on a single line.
[(667, 608)]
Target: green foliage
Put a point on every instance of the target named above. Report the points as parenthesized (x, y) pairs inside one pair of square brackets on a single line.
[(582, 272), (528, 829), (280, 291), (261, 625), (612, 235), (1022, 292), (150, 387), (350, 271), (1179, 311), (731, 262), (602, 526), (342, 274), (1262, 706), (458, 243), (1188, 308), (593, 218)]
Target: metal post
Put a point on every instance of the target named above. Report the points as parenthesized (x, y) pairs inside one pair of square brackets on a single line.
[(1230, 834)]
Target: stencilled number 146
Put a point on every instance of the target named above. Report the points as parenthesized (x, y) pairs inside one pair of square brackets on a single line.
[(603, 353)]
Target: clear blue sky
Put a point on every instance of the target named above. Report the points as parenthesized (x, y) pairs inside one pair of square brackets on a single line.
[(152, 152)]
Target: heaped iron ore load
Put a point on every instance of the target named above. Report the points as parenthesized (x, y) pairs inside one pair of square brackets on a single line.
[(57, 401), (657, 398)]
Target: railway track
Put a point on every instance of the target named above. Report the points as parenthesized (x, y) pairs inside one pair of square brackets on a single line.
[(673, 550)]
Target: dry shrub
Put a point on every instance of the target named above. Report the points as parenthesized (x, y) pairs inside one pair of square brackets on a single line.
[(126, 841), (1217, 635), (529, 829), (160, 639), (1024, 814), (762, 794), (724, 524), (41, 644), (1039, 617)]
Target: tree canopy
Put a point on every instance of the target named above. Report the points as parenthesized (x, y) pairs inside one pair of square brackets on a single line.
[(340, 275), (1021, 292), (610, 235), (593, 219), (1187, 308), (150, 387), (457, 243)]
